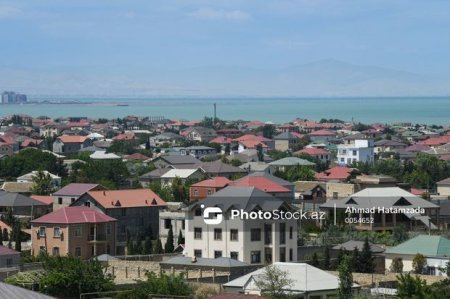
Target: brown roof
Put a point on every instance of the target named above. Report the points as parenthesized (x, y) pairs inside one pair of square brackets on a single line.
[(129, 198), (69, 215), (46, 199), (72, 139)]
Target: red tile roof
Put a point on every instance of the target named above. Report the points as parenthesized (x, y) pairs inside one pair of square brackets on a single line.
[(335, 173), (127, 136), (221, 140), (43, 198), (217, 182), (323, 133), (261, 183), (313, 151), (70, 215), (417, 191), (136, 157), (129, 198), (436, 140), (72, 139), (251, 137), (298, 135), (252, 143)]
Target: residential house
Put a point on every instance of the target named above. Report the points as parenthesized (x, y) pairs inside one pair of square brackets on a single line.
[(78, 231), (285, 141), (165, 139), (384, 209), (285, 163), (436, 250), (385, 146), (175, 160), (322, 155), (102, 155), (22, 206), (307, 282), (279, 181), (229, 133), (337, 173), (172, 217), (6, 149), (258, 166), (198, 151), (250, 241), (52, 130), (153, 176), (70, 144), (377, 253), (72, 192), (136, 211), (310, 194), (249, 141), (218, 168), (207, 187), (9, 257), (265, 184), (201, 134), (443, 187), (356, 148), (322, 136), (12, 292), (182, 174), (55, 181)]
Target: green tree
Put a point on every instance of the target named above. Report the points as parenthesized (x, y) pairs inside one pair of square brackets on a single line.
[(399, 235), (42, 183), (260, 153), (130, 247), (419, 262), (1, 236), (356, 266), (315, 260), (180, 238), (326, 258), (345, 278), (148, 248), (5, 235), (268, 131), (179, 190), (409, 286), (273, 281), (168, 248), (158, 247), (17, 236), (396, 265), (161, 285), (299, 173), (366, 258)]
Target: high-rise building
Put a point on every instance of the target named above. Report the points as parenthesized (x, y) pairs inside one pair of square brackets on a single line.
[(10, 97)]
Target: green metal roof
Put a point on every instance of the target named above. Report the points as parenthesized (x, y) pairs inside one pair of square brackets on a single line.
[(424, 244)]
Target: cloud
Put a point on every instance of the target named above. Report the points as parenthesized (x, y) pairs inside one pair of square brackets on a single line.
[(8, 11), (220, 14)]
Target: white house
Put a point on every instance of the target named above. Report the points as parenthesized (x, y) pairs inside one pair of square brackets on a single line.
[(252, 241), (356, 148), (29, 177)]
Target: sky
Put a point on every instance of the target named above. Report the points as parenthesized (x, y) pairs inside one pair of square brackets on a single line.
[(103, 40)]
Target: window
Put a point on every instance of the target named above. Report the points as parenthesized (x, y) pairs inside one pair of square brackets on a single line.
[(92, 230), (234, 255), (42, 249), (291, 255), (255, 257), (198, 233), (267, 234), (282, 233), (282, 254), (124, 212), (217, 234), (55, 251), (342, 160), (195, 192), (197, 253), (72, 200), (42, 231), (217, 253), (56, 232), (209, 192), (167, 223), (255, 234), (60, 200), (344, 152), (335, 195), (291, 232), (198, 212), (354, 153), (9, 262), (87, 204), (234, 235), (78, 251)]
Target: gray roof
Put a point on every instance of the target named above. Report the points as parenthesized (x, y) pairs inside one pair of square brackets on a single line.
[(13, 292), (167, 136), (206, 262), (386, 142), (179, 159), (291, 161), (444, 182), (75, 189), (301, 274), (200, 148), (8, 199), (350, 246), (357, 136), (91, 148), (285, 136), (246, 198), (157, 173), (217, 167), (255, 166)]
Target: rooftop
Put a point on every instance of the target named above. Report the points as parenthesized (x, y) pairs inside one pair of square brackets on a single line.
[(424, 244), (71, 215), (128, 198)]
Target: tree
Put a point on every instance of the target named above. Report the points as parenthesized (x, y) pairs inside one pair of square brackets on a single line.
[(5, 235), (345, 278), (42, 183), (356, 260), (260, 153), (419, 262), (273, 281), (399, 235), (326, 258), (130, 247), (168, 248), (315, 260), (179, 190), (409, 286), (268, 131), (17, 236), (396, 265), (1, 236), (158, 247), (366, 258), (161, 285), (299, 173), (148, 249), (180, 238)]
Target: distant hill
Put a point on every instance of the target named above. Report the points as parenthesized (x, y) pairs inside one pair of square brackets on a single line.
[(325, 78)]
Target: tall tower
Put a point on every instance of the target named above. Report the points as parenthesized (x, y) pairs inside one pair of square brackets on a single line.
[(215, 114)]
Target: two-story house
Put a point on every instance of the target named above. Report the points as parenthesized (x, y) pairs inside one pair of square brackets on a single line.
[(78, 231), (66, 144), (70, 193), (136, 211), (201, 134), (253, 241), (356, 148)]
